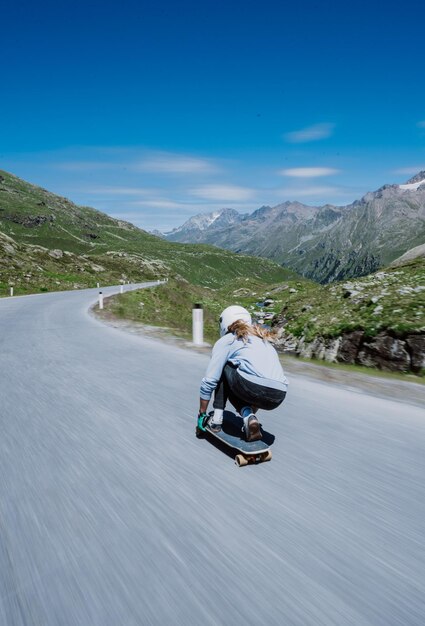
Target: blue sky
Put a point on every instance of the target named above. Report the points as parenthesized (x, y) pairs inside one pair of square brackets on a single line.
[(156, 111)]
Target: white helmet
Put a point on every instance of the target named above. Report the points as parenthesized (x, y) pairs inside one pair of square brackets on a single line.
[(230, 315)]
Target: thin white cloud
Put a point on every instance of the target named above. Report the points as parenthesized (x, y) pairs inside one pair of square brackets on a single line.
[(118, 191), (84, 166), (226, 193), (309, 191), (410, 171), (311, 133), (308, 172), (421, 124), (159, 204), (138, 160), (167, 163)]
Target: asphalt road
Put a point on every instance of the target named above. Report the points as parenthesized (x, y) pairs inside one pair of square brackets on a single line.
[(113, 513)]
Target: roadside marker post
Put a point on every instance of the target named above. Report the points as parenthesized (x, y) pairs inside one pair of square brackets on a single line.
[(121, 288), (11, 291), (198, 325), (100, 300)]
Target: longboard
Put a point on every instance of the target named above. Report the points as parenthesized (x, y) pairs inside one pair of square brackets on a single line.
[(249, 451)]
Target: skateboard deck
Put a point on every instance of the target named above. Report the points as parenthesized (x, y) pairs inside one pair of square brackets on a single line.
[(249, 451)]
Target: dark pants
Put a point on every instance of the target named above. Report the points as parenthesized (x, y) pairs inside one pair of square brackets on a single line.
[(241, 392)]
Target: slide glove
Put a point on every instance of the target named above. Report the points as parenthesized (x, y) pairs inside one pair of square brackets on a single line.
[(202, 421)]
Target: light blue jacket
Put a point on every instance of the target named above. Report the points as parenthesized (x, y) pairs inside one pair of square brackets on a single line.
[(256, 360)]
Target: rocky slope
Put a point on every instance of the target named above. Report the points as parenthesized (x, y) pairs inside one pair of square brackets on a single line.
[(415, 253), (325, 243), (377, 321), (30, 268)]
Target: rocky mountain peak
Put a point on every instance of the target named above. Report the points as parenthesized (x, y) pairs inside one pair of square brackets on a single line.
[(157, 233), (418, 178), (204, 221), (261, 212)]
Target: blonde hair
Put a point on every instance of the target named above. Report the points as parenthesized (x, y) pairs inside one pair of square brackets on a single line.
[(242, 330)]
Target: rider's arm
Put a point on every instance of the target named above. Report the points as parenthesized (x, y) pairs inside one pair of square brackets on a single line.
[(219, 358)]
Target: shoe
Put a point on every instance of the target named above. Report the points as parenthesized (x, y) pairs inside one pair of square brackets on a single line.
[(251, 428), (213, 427)]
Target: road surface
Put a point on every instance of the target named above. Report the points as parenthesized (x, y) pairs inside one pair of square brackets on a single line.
[(113, 513)]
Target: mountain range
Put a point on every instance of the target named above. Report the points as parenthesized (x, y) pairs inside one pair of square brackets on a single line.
[(324, 243)]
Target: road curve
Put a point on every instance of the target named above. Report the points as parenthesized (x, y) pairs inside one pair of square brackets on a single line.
[(113, 513)]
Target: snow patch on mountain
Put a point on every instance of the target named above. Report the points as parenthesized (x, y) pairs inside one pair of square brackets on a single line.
[(412, 186), (414, 183), (196, 225)]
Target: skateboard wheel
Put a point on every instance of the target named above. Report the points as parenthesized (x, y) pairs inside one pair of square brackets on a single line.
[(200, 434), (240, 460), (267, 456)]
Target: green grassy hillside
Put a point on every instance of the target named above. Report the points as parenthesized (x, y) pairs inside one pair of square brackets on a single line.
[(392, 299), (310, 319), (170, 305), (89, 247)]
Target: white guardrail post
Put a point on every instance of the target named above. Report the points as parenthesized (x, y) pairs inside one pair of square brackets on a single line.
[(100, 300), (11, 291), (198, 324)]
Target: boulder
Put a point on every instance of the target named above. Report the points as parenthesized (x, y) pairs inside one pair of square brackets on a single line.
[(318, 348), (280, 288), (305, 350), (416, 347), (331, 350), (33, 221), (288, 344), (384, 352), (349, 346), (56, 254), (9, 249)]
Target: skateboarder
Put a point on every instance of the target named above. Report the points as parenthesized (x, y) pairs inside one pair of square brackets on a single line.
[(245, 369)]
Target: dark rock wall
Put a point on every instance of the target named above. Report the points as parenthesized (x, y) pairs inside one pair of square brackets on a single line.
[(385, 351)]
